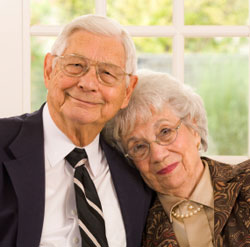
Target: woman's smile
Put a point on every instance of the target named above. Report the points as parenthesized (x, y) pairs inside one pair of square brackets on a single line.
[(168, 169)]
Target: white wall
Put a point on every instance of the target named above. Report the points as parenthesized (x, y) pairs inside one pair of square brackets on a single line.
[(11, 57)]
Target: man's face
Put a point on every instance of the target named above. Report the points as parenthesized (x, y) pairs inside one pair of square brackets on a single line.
[(84, 100)]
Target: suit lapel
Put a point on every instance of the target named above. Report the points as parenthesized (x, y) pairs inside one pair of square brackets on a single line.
[(27, 174), (130, 191)]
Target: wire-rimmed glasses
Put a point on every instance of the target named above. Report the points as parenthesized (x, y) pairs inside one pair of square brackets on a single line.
[(108, 74), (140, 149)]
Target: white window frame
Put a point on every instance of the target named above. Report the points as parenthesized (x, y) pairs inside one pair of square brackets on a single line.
[(16, 99)]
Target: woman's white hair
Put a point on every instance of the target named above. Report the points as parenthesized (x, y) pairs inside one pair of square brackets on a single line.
[(154, 91), (98, 25)]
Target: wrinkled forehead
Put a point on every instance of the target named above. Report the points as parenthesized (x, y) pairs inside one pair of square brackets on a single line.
[(102, 48)]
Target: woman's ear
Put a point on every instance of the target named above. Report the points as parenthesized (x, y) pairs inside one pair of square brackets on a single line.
[(196, 135), (197, 140)]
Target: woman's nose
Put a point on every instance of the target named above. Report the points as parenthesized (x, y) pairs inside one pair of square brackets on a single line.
[(158, 152)]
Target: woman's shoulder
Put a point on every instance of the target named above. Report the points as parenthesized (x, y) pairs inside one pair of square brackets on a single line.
[(236, 177), (243, 166), (243, 170), (228, 170)]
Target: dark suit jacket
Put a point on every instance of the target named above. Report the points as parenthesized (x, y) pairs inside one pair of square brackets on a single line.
[(231, 186), (22, 184)]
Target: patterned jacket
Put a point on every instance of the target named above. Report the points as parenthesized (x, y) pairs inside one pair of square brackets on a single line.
[(231, 186)]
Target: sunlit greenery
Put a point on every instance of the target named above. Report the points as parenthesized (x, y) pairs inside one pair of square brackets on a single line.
[(216, 67), (140, 12), (58, 12), (219, 12), (222, 81)]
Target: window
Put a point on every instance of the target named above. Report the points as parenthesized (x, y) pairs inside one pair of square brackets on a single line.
[(201, 42)]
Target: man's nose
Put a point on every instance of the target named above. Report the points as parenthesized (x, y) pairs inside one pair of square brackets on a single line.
[(89, 81)]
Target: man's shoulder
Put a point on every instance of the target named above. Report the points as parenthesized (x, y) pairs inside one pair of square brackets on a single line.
[(13, 120), (11, 126)]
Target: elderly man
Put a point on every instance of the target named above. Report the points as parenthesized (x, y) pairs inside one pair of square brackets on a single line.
[(60, 183)]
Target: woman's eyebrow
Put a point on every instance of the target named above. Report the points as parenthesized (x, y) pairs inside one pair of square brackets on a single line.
[(160, 121)]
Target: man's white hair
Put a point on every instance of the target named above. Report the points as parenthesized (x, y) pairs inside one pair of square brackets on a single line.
[(98, 25)]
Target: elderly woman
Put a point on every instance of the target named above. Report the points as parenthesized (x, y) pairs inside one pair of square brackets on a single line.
[(200, 202)]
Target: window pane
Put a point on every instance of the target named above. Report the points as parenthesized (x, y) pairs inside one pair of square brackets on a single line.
[(39, 47), (154, 53), (58, 12), (219, 72), (219, 12), (140, 12)]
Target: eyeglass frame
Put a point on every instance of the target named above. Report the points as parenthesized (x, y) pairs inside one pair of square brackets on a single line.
[(91, 62), (158, 142)]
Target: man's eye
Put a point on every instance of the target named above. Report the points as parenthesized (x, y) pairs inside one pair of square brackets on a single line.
[(73, 65), (74, 68), (107, 73), (77, 65)]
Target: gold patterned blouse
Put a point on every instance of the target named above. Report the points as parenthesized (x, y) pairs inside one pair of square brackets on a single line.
[(193, 218)]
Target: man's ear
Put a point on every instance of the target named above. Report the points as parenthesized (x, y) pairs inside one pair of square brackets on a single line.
[(129, 90), (47, 69)]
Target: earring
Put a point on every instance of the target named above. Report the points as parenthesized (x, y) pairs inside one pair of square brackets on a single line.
[(198, 146)]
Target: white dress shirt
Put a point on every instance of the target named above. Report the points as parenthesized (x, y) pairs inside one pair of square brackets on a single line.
[(60, 227)]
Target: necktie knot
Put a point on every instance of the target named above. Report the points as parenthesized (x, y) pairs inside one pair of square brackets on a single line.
[(75, 156)]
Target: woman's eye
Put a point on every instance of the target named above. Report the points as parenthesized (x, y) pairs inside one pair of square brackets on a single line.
[(139, 148), (165, 131)]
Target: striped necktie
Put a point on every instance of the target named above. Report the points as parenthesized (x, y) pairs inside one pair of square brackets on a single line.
[(89, 209)]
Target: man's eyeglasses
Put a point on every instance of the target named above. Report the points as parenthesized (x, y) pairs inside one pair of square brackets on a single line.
[(140, 149), (76, 66)]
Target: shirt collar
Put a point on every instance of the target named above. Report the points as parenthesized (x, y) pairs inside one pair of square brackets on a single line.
[(57, 145), (203, 194), (95, 155)]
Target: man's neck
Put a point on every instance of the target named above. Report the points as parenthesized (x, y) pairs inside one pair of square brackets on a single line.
[(80, 134)]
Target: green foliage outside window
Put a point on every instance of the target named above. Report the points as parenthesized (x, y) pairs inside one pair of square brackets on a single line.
[(222, 81)]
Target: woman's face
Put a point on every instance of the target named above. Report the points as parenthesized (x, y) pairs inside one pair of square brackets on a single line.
[(174, 169)]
